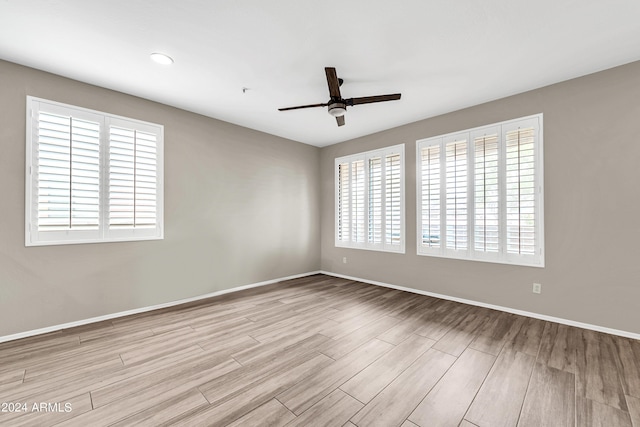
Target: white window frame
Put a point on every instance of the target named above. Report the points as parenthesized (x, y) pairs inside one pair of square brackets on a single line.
[(34, 237), (536, 260), (365, 157)]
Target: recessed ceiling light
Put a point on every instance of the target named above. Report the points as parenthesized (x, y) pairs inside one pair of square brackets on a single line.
[(161, 58)]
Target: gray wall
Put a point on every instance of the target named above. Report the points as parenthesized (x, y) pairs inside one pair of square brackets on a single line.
[(592, 206), (240, 207), (243, 207)]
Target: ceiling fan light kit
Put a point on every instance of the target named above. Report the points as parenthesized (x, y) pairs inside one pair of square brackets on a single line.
[(337, 109), (338, 105)]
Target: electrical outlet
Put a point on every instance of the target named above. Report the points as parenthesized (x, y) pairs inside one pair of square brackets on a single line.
[(344, 260), (537, 288)]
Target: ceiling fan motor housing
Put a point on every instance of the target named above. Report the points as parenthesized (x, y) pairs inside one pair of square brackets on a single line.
[(337, 109)]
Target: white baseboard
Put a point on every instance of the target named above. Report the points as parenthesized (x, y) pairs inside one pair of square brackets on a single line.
[(145, 309), (494, 307), (328, 273)]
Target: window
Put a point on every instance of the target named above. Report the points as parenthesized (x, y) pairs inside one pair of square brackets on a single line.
[(90, 176), (480, 194), (370, 200)]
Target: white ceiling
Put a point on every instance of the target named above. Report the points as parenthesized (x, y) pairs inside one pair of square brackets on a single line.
[(442, 55)]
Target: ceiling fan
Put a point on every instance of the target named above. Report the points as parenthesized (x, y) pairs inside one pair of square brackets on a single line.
[(337, 104)]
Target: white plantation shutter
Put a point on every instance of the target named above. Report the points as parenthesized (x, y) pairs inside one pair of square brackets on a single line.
[(491, 202), (121, 177), (430, 188), (132, 178), (486, 193), (54, 172), (85, 175), (375, 200), (521, 191), (146, 214), (343, 203), (68, 183), (393, 199), (370, 200), (351, 222), (358, 223), (457, 235), (69, 156)]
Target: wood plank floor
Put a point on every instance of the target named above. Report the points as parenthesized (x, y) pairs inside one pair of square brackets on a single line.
[(322, 351)]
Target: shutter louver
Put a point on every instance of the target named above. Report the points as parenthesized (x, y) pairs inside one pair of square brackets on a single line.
[(343, 202), (520, 195), (393, 199), (486, 194), (68, 161), (430, 167), (375, 200), (456, 195), (132, 179)]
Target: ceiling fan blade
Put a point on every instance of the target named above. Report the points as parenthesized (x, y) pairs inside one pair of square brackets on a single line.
[(340, 120), (302, 106), (333, 82), (371, 99)]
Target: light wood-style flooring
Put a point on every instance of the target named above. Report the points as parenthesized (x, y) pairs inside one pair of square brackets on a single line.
[(322, 351)]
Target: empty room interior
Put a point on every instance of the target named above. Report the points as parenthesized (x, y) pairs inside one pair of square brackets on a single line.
[(362, 213)]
